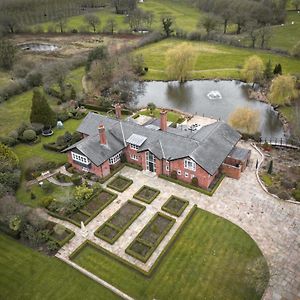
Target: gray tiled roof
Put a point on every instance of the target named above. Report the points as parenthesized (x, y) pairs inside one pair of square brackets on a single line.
[(239, 153), (136, 139), (208, 146)]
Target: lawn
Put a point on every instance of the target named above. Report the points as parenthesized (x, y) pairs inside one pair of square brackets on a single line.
[(186, 17), (213, 60), (209, 260), (171, 116), (285, 37), (26, 274)]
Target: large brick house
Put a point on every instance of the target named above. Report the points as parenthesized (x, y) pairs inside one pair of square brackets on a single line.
[(203, 153)]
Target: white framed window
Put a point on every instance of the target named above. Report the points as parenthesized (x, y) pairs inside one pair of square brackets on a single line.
[(114, 159), (189, 164), (167, 168), (134, 147), (80, 158), (133, 156), (186, 174), (178, 172)]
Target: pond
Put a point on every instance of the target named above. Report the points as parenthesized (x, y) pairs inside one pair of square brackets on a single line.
[(38, 47), (217, 99)]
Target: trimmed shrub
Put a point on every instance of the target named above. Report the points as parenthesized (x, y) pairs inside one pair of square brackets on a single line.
[(296, 194), (76, 179), (284, 195), (29, 135), (174, 175), (195, 181)]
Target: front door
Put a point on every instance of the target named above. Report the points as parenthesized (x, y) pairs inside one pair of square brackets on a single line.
[(150, 162)]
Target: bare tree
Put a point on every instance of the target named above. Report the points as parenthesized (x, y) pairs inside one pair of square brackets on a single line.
[(9, 23), (209, 22), (61, 23), (92, 20), (111, 25), (265, 34), (252, 29)]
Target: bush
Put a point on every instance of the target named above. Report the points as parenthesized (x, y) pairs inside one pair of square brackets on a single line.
[(52, 245), (47, 187), (67, 165), (10, 180), (76, 179), (8, 141), (46, 201), (29, 135), (296, 194), (174, 174), (195, 181), (34, 79), (59, 229), (284, 195)]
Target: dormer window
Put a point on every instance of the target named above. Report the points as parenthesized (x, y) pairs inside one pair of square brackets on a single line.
[(189, 164), (135, 141)]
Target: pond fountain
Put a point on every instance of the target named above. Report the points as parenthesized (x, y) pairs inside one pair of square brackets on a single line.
[(38, 47), (194, 97), (213, 95)]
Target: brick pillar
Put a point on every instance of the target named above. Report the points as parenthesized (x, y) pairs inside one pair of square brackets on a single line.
[(102, 134), (163, 120), (118, 111)]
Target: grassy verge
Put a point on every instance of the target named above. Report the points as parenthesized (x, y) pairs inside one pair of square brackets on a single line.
[(213, 60), (27, 274), (209, 259)]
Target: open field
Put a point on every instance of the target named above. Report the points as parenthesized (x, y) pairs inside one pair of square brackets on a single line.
[(285, 37), (186, 17), (209, 260), (213, 60), (27, 274)]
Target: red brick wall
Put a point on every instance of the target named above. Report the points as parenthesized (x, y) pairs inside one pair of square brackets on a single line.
[(128, 151), (231, 171)]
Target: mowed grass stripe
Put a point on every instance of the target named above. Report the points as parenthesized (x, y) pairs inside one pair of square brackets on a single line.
[(27, 274), (190, 270)]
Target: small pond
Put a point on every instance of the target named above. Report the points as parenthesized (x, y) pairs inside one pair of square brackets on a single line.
[(217, 99), (38, 47)]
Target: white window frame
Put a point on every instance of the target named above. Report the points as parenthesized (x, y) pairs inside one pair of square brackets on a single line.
[(133, 157), (189, 164), (80, 158), (186, 174), (167, 168), (178, 172), (134, 147), (114, 159)]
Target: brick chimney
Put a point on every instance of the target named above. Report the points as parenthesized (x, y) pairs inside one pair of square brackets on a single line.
[(102, 134), (163, 120), (118, 111)]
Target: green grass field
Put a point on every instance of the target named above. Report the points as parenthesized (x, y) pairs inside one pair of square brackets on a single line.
[(213, 60), (28, 275), (186, 17), (209, 260), (285, 37)]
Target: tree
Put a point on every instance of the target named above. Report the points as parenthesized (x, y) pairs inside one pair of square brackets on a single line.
[(41, 111), (268, 73), (56, 73), (265, 34), (98, 53), (180, 61), (92, 20), (7, 54), (151, 107), (296, 50), (167, 23), (111, 25), (296, 4), (209, 22), (270, 169), (245, 119), (282, 90), (251, 28), (135, 19), (253, 69), (61, 22), (9, 23), (277, 69)]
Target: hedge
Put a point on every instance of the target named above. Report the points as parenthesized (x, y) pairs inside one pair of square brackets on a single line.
[(132, 266), (123, 229), (148, 201), (173, 212), (54, 147), (100, 108), (112, 186), (196, 188), (147, 243), (66, 239)]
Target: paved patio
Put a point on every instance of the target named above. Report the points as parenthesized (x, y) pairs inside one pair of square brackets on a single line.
[(273, 224)]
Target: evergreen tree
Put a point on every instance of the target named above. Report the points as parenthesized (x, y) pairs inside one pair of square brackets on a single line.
[(268, 74), (279, 69), (275, 71), (41, 111), (270, 169)]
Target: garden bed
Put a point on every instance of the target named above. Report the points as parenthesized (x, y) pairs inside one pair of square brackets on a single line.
[(62, 239), (146, 194), (175, 206), (120, 183), (90, 210), (150, 237), (117, 224)]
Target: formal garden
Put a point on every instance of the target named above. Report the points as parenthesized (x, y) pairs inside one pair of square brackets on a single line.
[(146, 194), (175, 206), (120, 183)]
